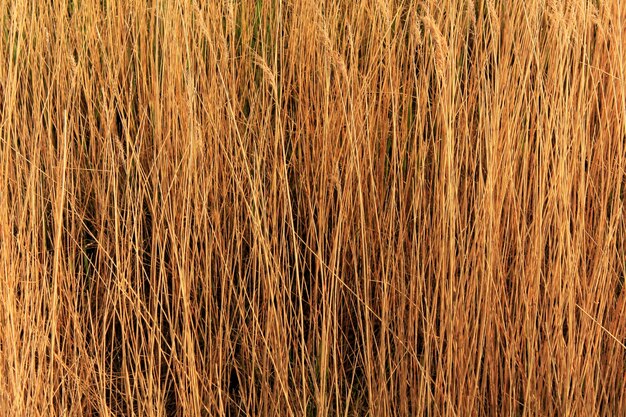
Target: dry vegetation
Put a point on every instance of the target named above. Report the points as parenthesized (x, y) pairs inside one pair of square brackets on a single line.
[(312, 208)]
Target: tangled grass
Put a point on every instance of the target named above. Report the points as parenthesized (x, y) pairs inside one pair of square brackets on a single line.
[(312, 208)]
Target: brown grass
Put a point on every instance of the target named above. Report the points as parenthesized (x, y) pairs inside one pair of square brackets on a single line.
[(312, 208)]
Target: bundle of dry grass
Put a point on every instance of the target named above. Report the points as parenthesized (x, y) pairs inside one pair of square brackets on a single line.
[(312, 208)]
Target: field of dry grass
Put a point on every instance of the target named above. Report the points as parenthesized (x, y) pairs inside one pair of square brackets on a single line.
[(312, 208)]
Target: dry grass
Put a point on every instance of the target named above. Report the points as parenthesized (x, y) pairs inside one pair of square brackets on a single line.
[(312, 208)]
